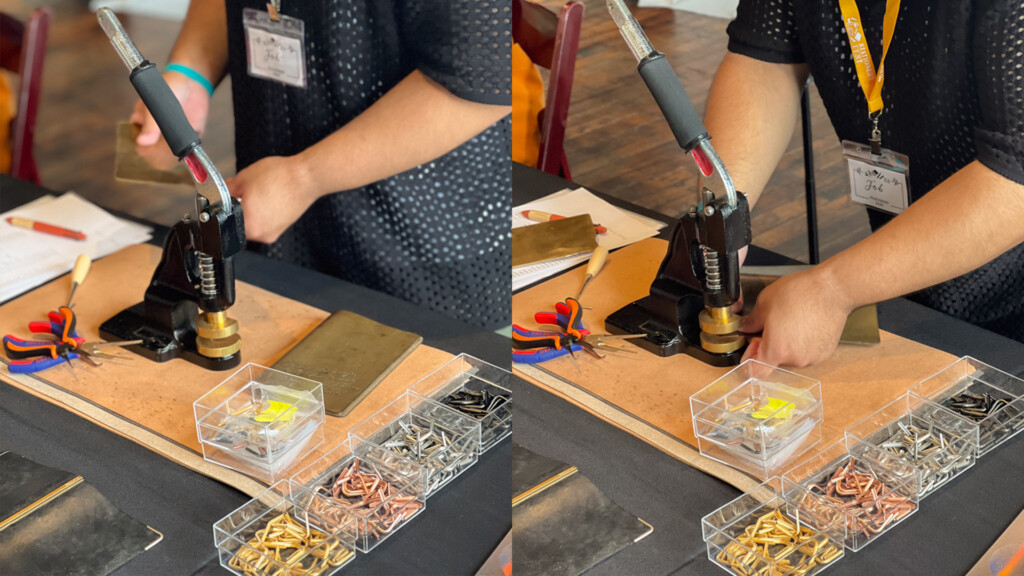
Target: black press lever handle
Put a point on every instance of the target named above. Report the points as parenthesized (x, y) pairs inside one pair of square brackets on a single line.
[(152, 88), (165, 108), (671, 97)]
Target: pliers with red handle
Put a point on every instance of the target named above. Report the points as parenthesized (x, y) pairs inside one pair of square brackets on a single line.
[(564, 316), (534, 347), (28, 356), (569, 313)]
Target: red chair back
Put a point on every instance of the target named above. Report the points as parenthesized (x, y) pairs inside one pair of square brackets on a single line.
[(551, 42), (22, 50)]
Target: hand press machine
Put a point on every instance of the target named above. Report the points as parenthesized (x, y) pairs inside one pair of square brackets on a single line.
[(689, 308), (184, 313)]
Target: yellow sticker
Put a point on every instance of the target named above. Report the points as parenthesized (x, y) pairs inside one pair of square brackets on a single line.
[(271, 413), (776, 408)]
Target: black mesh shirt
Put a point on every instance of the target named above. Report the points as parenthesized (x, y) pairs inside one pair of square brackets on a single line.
[(954, 93), (437, 235)]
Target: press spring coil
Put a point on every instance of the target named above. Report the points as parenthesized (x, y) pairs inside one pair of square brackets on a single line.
[(208, 283), (711, 269)]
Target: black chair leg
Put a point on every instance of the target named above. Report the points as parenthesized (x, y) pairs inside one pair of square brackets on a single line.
[(809, 187)]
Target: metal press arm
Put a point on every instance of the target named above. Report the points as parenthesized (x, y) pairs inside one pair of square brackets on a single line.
[(675, 104), (166, 110)]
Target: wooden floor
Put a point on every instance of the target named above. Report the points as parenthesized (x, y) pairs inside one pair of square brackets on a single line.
[(86, 92), (617, 140), (619, 143)]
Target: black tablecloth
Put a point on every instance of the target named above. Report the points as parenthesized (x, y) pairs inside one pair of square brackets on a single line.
[(461, 526), (952, 530)]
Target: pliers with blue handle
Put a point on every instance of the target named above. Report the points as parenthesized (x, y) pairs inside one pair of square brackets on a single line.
[(569, 313), (534, 347), (28, 356)]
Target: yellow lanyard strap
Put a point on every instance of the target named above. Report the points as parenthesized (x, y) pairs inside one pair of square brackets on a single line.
[(869, 82)]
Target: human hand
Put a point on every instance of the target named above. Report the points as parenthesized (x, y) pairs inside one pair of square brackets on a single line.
[(274, 193), (801, 317), (158, 155), (194, 100)]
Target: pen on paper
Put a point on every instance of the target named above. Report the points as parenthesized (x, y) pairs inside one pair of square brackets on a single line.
[(45, 228)]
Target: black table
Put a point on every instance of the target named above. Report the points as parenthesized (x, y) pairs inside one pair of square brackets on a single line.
[(951, 531), (459, 529)]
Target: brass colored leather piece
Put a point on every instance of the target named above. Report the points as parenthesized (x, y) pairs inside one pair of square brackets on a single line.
[(350, 354), (555, 239), (151, 164)]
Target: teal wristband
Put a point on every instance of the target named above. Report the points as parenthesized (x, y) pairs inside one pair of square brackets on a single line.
[(192, 74)]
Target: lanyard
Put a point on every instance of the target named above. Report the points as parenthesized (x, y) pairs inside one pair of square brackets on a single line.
[(870, 82)]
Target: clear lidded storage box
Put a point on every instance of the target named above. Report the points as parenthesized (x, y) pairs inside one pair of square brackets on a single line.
[(341, 487), (932, 438), (260, 421), (245, 538), (987, 397), (475, 388), (417, 433), (756, 418), (764, 532), (884, 486)]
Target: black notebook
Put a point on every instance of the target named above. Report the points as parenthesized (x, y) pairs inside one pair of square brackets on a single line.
[(53, 522)]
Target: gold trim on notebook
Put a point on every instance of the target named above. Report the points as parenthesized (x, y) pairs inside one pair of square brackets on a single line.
[(524, 496), (41, 502)]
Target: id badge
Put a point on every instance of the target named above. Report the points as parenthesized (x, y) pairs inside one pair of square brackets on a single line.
[(880, 181), (276, 49)]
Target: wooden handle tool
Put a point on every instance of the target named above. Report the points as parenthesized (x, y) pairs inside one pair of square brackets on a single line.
[(593, 267), (78, 275)]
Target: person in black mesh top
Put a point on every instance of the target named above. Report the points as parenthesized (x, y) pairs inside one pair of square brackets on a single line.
[(953, 103), (390, 168)]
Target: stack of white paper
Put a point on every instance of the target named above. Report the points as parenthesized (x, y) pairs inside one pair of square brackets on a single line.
[(624, 228), (29, 258)]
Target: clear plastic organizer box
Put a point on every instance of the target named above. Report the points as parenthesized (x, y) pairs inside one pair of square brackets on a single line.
[(318, 549), (342, 486), (764, 532), (941, 445), (986, 397), (884, 486), (475, 388), (417, 433), (757, 418), (260, 421)]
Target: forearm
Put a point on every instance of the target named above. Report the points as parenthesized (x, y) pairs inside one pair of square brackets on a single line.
[(203, 41), (752, 110), (968, 220), (415, 122)]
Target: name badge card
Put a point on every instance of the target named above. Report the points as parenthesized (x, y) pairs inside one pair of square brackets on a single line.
[(878, 180), (276, 48)]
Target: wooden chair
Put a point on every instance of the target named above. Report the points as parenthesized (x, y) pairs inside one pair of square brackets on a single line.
[(22, 50), (551, 42)]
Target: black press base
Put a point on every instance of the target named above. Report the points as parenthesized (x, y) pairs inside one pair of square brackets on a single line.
[(158, 345), (663, 340)]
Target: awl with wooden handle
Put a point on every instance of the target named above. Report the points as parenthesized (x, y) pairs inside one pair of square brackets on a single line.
[(593, 267), (78, 274)]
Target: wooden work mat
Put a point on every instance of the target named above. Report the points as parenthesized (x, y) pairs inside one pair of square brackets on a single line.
[(151, 403), (649, 396)]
